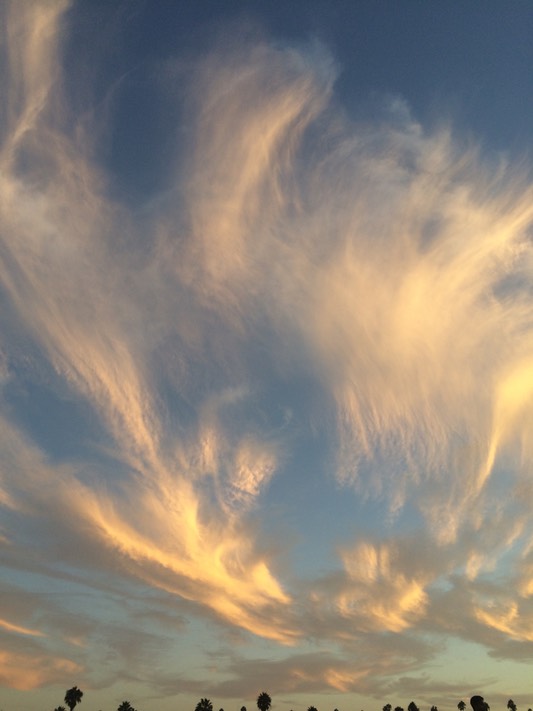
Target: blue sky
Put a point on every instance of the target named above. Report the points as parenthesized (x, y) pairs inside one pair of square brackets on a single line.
[(266, 353)]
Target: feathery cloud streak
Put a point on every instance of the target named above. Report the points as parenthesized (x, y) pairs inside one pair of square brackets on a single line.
[(385, 266)]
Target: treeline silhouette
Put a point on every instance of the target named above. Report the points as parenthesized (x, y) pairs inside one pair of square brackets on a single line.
[(74, 696)]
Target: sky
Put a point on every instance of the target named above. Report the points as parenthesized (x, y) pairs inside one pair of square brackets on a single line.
[(266, 353)]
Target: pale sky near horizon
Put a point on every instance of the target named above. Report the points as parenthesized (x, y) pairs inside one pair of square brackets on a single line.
[(266, 353)]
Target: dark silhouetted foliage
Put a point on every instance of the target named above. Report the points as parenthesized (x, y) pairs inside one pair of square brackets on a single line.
[(264, 701), (204, 705), (125, 706), (73, 696)]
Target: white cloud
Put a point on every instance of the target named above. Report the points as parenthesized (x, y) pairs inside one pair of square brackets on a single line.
[(386, 267)]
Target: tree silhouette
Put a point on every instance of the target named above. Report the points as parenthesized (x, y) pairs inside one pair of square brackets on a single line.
[(312, 708), (461, 705), (60, 708), (243, 708), (387, 707), (73, 697), (125, 706), (412, 707), (511, 705), (204, 705), (264, 701), (434, 708), (398, 708)]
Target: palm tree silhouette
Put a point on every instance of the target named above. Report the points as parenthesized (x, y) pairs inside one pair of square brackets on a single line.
[(461, 705), (204, 705), (511, 705), (125, 706), (73, 697), (264, 701)]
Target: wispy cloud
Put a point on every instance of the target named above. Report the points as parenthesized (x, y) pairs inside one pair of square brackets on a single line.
[(386, 266)]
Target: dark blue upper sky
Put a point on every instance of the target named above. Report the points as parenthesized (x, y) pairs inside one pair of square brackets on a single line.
[(468, 62)]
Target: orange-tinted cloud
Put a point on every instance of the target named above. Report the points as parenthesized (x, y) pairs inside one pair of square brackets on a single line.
[(23, 671), (385, 267)]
